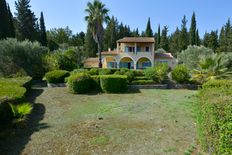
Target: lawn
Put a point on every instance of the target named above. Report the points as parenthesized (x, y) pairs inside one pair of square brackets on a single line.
[(143, 122)]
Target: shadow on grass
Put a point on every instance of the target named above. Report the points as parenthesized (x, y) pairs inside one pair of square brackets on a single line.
[(14, 140)]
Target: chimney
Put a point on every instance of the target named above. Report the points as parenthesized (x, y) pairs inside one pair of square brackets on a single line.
[(109, 49)]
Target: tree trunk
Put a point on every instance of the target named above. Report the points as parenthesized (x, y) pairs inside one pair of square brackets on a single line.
[(100, 56)]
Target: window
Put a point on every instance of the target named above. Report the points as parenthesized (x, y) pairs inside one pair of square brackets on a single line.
[(131, 49), (147, 49), (138, 49)]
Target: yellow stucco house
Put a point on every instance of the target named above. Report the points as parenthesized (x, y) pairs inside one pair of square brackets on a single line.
[(132, 53)]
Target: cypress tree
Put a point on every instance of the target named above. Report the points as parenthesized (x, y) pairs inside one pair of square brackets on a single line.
[(211, 40), (183, 40), (164, 43), (43, 34), (110, 35), (158, 38), (4, 22), (174, 42), (26, 21), (198, 39), (11, 23), (149, 32), (91, 47), (192, 32)]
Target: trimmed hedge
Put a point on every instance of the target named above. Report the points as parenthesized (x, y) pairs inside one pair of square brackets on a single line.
[(113, 83), (93, 71), (142, 82), (80, 83), (181, 74), (105, 71), (158, 73), (56, 76), (96, 83), (215, 117)]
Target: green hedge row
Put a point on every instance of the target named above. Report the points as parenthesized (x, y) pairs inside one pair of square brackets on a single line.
[(215, 117), (83, 83), (56, 76)]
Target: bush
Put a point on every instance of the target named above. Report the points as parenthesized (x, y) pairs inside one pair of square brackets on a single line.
[(124, 70), (105, 71), (56, 76), (93, 71), (143, 82), (113, 83), (130, 76), (157, 74), (96, 84), (77, 71), (181, 74), (118, 73), (16, 56), (138, 72), (80, 83), (214, 117)]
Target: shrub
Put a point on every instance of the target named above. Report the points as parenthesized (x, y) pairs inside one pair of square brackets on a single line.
[(158, 73), (124, 70), (214, 117), (105, 71), (113, 83), (20, 111), (93, 71), (76, 71), (96, 84), (118, 73), (142, 82), (80, 83), (56, 76), (138, 72), (130, 76), (16, 56), (181, 74)]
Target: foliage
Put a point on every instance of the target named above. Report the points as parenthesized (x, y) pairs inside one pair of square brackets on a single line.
[(80, 83), (12, 89), (142, 82), (20, 111), (43, 34), (56, 76), (76, 71), (65, 60), (113, 83), (138, 73), (93, 71), (158, 73), (149, 32), (213, 67), (164, 43), (181, 74), (105, 71), (193, 30), (192, 56), (130, 76), (214, 118), (16, 56), (96, 84)]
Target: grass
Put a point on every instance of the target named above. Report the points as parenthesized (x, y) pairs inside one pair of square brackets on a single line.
[(147, 122)]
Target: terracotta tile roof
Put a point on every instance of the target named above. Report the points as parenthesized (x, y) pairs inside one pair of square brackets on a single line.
[(91, 63), (163, 56), (137, 40)]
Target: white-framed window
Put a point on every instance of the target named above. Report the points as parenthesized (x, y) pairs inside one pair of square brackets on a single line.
[(147, 49)]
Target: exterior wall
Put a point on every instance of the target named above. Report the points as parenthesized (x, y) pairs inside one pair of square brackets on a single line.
[(171, 62), (121, 46)]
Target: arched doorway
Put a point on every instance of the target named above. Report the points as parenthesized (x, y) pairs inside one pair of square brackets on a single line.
[(143, 63), (109, 62), (126, 62)]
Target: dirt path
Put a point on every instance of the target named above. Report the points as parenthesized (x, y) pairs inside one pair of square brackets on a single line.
[(149, 122)]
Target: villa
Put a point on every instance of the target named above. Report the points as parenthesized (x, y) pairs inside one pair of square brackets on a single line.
[(132, 53)]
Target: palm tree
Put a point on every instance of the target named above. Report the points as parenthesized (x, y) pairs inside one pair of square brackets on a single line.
[(97, 16)]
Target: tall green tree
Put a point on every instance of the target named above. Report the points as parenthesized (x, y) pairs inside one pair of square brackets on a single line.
[(183, 40), (97, 16), (149, 32), (225, 39), (90, 45), (164, 43), (110, 35), (4, 22), (174, 42), (26, 21), (135, 33), (43, 33), (60, 35), (198, 39), (210, 40), (11, 33), (193, 30), (158, 38)]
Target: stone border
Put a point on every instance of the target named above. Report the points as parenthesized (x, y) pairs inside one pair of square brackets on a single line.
[(52, 85)]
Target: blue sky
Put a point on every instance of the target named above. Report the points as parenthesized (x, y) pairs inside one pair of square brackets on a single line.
[(211, 14)]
